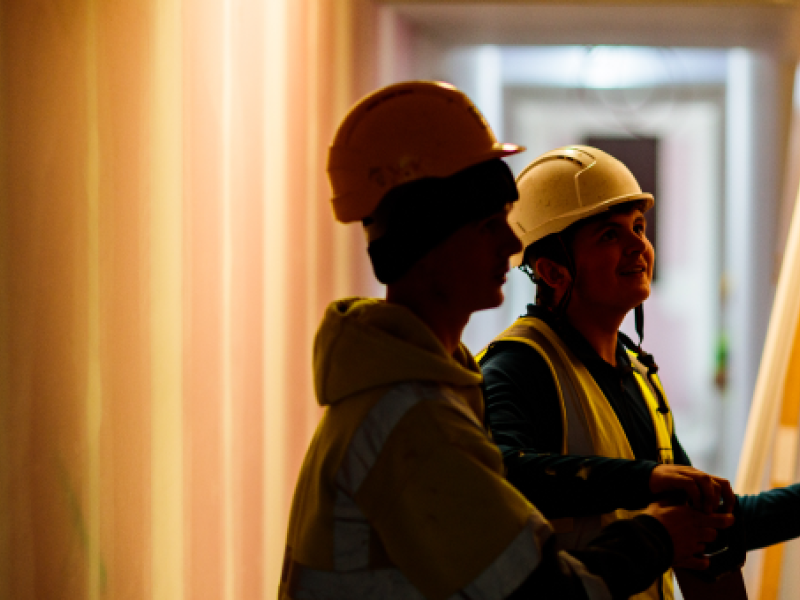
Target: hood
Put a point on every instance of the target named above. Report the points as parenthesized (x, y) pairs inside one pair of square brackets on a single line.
[(364, 343)]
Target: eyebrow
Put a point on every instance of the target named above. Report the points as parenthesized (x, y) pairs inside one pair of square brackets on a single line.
[(609, 223)]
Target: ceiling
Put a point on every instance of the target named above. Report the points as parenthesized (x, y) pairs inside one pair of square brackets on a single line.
[(770, 26)]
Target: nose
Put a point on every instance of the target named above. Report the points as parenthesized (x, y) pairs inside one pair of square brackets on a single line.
[(636, 243)]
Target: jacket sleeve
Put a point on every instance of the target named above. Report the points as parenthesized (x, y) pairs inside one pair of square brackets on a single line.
[(446, 517), (770, 517), (628, 555), (523, 413)]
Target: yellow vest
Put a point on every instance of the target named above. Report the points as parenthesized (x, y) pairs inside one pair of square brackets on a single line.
[(591, 427)]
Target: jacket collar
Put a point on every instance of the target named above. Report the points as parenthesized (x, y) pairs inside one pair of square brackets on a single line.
[(579, 345)]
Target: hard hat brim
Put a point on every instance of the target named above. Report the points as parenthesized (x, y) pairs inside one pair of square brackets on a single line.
[(501, 149), (561, 222)]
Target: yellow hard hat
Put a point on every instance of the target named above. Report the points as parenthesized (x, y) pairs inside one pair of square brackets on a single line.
[(566, 185), (401, 133)]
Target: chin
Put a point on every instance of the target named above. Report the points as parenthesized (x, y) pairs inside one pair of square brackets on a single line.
[(631, 301), (639, 300), (641, 293), (498, 299), (490, 302)]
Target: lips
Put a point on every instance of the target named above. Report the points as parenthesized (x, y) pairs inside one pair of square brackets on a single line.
[(500, 274), (635, 270)]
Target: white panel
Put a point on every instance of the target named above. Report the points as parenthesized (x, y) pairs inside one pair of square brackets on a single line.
[(166, 304), (784, 460)]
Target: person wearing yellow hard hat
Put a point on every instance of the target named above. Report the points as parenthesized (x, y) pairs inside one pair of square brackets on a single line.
[(401, 493), (577, 407)]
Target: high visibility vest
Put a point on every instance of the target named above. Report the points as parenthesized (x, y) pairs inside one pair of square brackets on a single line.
[(591, 427)]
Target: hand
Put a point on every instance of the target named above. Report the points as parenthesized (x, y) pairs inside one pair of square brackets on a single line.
[(704, 491), (690, 531)]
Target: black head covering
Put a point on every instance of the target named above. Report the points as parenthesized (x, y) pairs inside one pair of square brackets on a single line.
[(419, 215)]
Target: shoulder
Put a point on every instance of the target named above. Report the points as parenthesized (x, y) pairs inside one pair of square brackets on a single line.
[(399, 408), (415, 407), (517, 362), (528, 339), (418, 424), (508, 353)]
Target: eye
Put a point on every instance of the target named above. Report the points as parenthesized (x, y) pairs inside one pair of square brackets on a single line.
[(608, 235), (640, 228), (493, 223), (490, 223)]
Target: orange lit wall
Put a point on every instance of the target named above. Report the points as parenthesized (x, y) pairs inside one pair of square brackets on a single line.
[(166, 251)]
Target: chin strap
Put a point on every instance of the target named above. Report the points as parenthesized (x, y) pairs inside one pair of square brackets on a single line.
[(638, 314), (647, 359)]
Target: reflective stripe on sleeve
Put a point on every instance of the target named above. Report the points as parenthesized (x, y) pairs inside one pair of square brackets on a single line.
[(350, 534), (376, 427), (595, 587), (506, 573), (351, 530), (511, 567), (373, 432)]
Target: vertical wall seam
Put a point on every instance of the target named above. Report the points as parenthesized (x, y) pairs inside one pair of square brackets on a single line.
[(274, 285), (6, 520), (313, 169), (343, 75), (93, 375), (166, 306), (227, 280)]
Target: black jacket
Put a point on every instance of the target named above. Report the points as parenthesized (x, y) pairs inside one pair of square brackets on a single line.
[(522, 410)]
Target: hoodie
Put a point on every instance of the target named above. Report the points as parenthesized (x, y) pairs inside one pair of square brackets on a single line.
[(365, 343), (401, 493)]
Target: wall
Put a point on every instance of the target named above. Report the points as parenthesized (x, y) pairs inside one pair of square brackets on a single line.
[(167, 252)]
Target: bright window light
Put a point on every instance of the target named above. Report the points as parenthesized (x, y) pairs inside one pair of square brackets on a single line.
[(611, 67)]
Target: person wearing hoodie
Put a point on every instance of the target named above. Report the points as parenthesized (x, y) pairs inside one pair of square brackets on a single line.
[(401, 493)]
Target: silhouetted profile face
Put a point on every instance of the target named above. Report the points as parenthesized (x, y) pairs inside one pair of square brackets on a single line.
[(469, 268)]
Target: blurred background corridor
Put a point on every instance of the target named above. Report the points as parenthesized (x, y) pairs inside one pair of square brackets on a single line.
[(167, 246)]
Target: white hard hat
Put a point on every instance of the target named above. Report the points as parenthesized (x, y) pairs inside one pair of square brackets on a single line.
[(566, 185), (401, 133)]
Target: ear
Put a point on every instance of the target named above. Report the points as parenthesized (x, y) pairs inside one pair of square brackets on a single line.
[(555, 275)]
